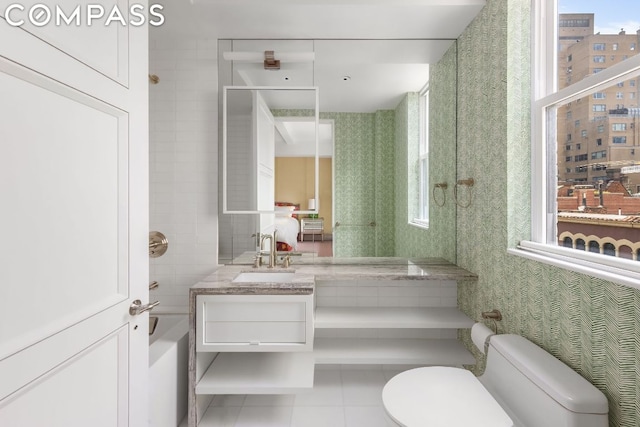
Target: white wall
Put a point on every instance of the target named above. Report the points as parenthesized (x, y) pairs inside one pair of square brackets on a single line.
[(184, 166), (236, 230)]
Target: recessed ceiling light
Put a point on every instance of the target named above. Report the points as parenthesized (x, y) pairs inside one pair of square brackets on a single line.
[(346, 78)]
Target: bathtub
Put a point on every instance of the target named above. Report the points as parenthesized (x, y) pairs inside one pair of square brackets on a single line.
[(168, 367)]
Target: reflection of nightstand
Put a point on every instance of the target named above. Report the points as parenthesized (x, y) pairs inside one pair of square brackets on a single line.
[(312, 226)]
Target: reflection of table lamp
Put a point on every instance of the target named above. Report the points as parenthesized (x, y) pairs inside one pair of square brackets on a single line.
[(312, 207)]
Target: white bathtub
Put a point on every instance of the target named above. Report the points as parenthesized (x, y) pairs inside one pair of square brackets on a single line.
[(168, 370)]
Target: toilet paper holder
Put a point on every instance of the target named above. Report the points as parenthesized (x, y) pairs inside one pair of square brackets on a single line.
[(493, 315)]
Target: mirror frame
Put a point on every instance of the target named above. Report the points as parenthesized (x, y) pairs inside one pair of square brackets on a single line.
[(225, 90)]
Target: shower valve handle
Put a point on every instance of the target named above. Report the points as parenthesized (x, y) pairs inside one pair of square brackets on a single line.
[(137, 307)]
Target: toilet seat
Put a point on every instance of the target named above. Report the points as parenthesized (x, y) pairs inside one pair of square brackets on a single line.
[(441, 396)]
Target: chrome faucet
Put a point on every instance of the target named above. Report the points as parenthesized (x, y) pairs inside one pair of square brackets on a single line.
[(273, 249)]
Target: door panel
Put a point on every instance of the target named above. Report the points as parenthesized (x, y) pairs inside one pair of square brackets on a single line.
[(68, 154), (74, 182), (107, 385), (101, 47)]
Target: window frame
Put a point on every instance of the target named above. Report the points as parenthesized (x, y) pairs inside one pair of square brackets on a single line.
[(546, 97), (421, 219)]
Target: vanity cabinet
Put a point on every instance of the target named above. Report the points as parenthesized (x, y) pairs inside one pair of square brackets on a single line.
[(260, 344), (254, 323)]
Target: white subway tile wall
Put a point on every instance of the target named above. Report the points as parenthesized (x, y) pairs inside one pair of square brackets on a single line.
[(183, 150)]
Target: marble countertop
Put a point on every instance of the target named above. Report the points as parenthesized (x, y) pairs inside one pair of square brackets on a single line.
[(308, 269)]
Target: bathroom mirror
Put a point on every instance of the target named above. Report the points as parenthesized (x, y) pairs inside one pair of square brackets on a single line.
[(251, 131)]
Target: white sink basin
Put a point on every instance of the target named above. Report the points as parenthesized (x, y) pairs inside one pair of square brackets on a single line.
[(262, 277)]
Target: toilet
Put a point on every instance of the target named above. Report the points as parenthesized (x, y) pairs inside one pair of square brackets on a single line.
[(522, 386)]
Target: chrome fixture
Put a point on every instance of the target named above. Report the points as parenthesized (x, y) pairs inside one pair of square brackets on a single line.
[(137, 307), (158, 244), (272, 250), (153, 285)]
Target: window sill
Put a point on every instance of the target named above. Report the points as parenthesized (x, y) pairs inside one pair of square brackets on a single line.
[(424, 224), (620, 271)]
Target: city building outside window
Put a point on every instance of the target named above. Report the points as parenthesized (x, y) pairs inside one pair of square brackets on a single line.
[(566, 201), (619, 139)]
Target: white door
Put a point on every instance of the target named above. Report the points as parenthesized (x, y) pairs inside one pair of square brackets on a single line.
[(73, 221)]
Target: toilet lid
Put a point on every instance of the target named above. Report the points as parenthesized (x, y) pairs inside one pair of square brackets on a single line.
[(441, 396)]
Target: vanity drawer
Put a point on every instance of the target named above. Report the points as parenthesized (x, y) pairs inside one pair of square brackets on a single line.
[(255, 333), (240, 323), (216, 311)]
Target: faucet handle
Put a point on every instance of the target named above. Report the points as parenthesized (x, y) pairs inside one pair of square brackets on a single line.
[(286, 261)]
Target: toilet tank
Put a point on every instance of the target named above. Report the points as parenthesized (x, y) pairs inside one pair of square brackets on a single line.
[(537, 390)]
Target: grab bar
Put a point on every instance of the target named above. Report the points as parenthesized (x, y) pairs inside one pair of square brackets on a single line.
[(339, 224)]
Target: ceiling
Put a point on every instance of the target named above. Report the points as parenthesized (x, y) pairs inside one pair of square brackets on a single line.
[(366, 53)]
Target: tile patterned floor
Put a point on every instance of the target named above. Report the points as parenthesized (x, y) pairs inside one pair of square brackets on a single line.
[(342, 397)]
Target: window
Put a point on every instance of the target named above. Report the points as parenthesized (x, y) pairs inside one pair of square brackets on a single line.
[(584, 133), (614, 46), (599, 140), (618, 127), (632, 46), (619, 95), (576, 123), (551, 98), (567, 159), (599, 95), (621, 84), (632, 82), (419, 164), (598, 58), (579, 146)]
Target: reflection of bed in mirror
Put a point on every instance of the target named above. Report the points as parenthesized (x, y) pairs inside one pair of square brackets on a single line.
[(287, 226)]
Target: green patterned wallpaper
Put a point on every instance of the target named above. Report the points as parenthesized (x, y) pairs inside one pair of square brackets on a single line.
[(384, 183), (364, 182), (590, 324), (440, 239)]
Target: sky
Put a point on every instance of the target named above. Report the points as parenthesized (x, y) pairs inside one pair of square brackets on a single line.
[(610, 15)]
